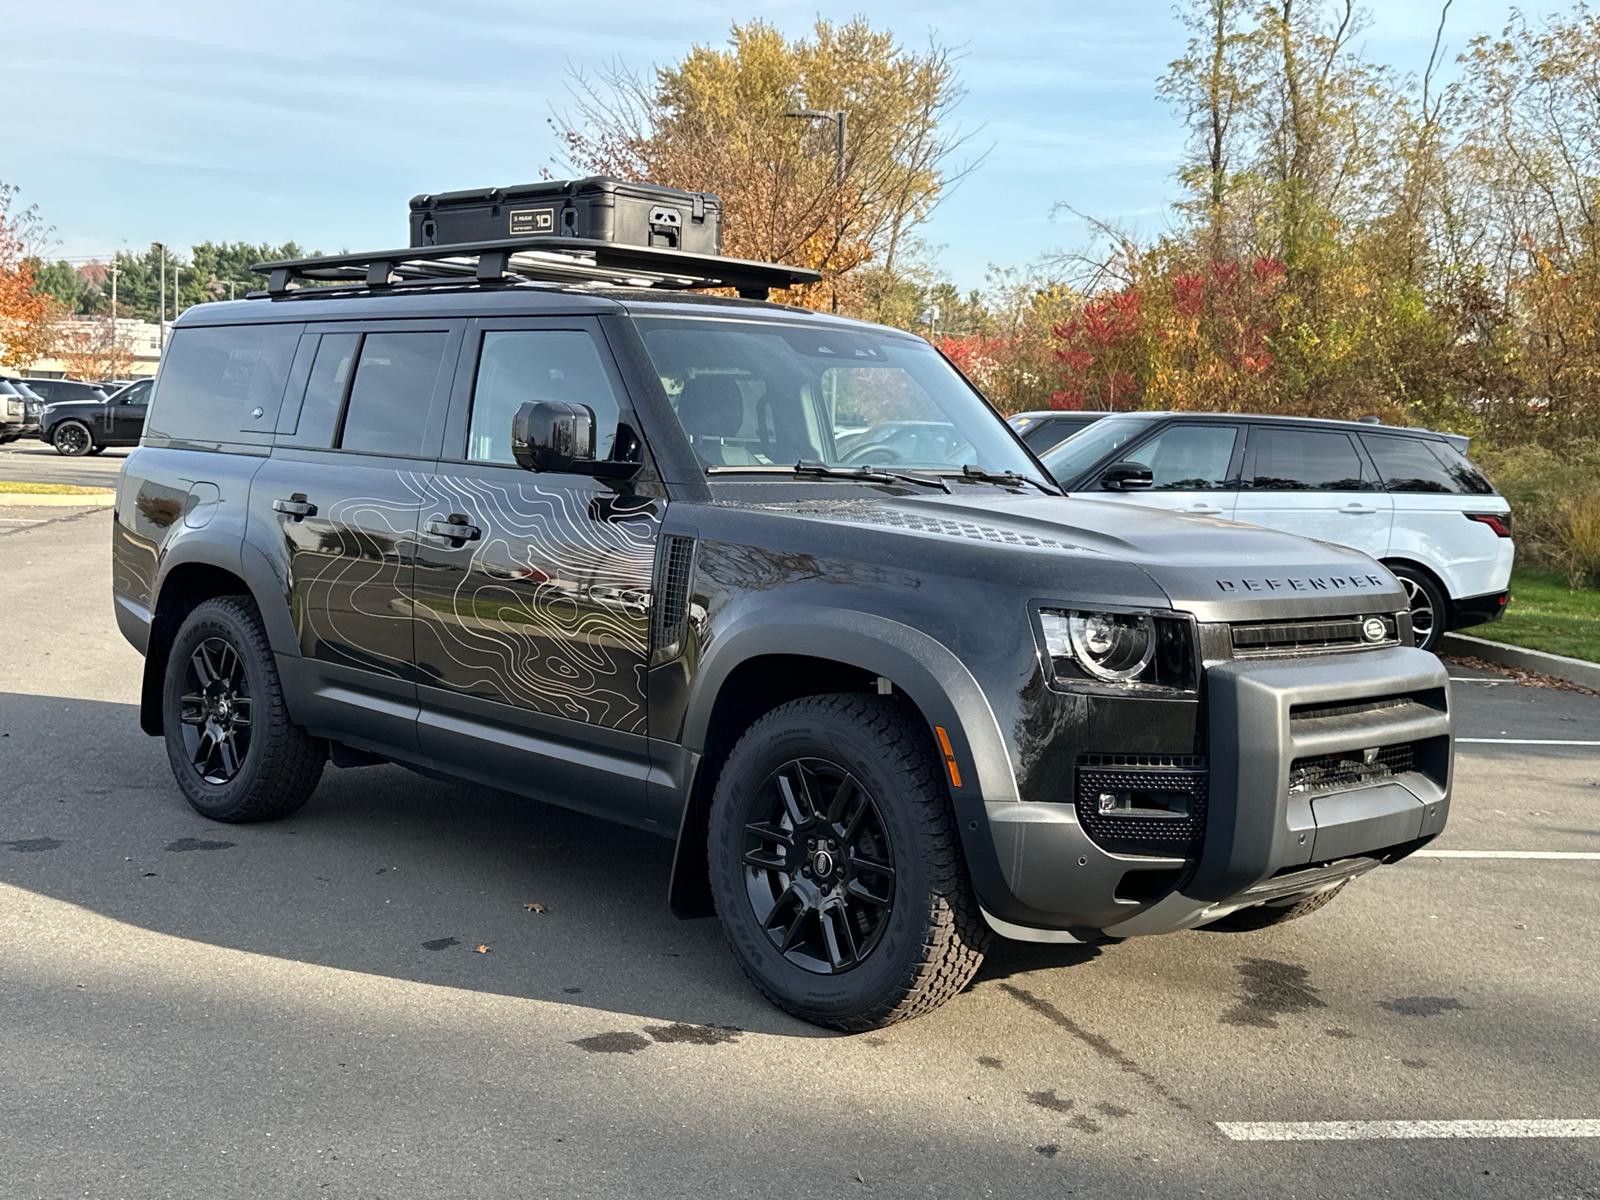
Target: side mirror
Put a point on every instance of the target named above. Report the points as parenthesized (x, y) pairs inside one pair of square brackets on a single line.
[(549, 435), (1127, 477)]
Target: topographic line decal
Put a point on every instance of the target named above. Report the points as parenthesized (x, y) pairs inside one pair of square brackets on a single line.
[(547, 608)]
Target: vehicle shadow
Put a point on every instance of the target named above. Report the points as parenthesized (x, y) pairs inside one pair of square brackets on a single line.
[(384, 872)]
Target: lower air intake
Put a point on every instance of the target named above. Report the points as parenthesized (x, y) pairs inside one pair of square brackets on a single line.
[(1349, 768), (1145, 804)]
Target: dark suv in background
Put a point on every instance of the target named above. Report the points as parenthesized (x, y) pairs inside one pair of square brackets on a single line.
[(87, 425), (700, 566)]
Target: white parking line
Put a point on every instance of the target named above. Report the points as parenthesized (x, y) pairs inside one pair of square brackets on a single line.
[(1522, 742), (1581, 855), (1360, 1131)]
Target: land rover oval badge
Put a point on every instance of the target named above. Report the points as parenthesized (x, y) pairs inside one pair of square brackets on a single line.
[(1373, 629)]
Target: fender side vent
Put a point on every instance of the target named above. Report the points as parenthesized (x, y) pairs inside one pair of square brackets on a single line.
[(675, 564)]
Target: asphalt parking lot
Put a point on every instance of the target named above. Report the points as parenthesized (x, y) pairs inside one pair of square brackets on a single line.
[(361, 1002)]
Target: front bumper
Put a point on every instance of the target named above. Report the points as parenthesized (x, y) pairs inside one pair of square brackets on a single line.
[(1297, 754)]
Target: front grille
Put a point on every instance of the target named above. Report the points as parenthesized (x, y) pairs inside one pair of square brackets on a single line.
[(1144, 803), (1349, 708), (671, 594), (1305, 637), (1349, 768)]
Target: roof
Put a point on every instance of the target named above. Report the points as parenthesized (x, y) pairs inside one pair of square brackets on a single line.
[(1460, 441)]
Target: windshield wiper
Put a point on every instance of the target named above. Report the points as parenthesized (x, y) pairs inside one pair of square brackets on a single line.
[(982, 475), (868, 473)]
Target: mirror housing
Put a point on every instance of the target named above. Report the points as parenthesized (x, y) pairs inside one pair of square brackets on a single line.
[(1126, 477), (549, 435)]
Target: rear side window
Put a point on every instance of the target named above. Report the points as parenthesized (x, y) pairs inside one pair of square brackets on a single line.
[(214, 378), (1306, 460), (1410, 464), (387, 412)]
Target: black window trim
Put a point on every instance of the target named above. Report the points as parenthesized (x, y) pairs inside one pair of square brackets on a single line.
[(1085, 480)]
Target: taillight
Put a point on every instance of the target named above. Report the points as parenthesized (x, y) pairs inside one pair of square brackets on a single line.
[(1499, 522)]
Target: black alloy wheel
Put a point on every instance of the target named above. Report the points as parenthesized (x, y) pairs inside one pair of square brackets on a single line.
[(235, 753), (215, 710), (72, 438), (1427, 604), (837, 867), (819, 866)]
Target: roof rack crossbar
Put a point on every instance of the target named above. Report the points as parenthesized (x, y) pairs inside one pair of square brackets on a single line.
[(559, 259)]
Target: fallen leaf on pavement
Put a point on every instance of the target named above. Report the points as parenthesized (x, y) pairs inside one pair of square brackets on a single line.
[(535, 906), (482, 950)]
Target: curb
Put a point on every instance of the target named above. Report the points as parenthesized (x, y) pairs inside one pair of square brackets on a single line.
[(1573, 670)]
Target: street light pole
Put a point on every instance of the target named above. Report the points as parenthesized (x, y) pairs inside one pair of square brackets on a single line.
[(838, 117), (161, 303)]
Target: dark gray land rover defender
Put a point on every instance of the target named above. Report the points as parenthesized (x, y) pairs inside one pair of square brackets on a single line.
[(779, 586)]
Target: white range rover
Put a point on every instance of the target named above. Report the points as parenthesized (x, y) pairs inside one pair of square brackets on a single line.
[(1409, 498)]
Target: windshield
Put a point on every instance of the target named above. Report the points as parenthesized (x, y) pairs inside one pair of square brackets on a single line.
[(756, 395), (1088, 446)]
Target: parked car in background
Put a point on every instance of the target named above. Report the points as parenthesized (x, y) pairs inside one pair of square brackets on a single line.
[(1044, 429), (53, 391), (32, 408), (77, 427), (1408, 497), (13, 412)]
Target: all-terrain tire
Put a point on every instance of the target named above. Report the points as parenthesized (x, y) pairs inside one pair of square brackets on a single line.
[(932, 941), (1264, 916), (281, 763)]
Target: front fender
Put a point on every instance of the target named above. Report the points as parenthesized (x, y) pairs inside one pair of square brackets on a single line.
[(932, 678)]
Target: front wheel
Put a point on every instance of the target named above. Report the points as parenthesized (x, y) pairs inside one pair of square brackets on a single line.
[(837, 867), (72, 438), (233, 749), (1427, 602)]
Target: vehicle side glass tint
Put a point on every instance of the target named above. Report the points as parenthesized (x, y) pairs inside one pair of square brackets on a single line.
[(1185, 458), (1408, 464), (517, 367), (387, 412), (1302, 460), (331, 370), (213, 378)]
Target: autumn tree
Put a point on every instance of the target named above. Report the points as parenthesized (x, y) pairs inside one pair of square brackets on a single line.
[(718, 121), (27, 316), (94, 348)]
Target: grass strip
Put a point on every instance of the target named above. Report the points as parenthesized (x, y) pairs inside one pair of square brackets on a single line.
[(1545, 614), (22, 487)]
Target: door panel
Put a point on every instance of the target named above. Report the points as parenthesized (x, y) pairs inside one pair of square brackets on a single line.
[(1315, 483), (532, 589)]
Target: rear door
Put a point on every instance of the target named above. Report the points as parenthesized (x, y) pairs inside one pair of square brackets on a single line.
[(1194, 467), (1317, 483), (127, 413), (533, 588), (341, 496), (1432, 488)]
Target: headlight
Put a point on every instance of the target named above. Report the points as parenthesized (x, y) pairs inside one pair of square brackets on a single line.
[(1131, 649)]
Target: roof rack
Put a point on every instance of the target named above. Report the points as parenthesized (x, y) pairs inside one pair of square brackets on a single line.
[(547, 258)]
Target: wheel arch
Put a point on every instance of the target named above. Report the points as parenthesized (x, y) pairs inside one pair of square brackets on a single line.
[(1399, 560), (769, 660), (193, 572)]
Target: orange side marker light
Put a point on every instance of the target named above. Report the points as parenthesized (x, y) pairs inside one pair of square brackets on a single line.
[(949, 756)]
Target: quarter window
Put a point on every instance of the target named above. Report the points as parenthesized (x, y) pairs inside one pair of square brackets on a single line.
[(213, 377), (1410, 464), (1305, 460)]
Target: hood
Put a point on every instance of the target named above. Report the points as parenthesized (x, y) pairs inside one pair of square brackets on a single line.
[(1217, 570)]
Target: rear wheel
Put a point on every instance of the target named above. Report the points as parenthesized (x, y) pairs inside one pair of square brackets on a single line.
[(1427, 602), (1264, 916), (837, 867), (72, 438), (234, 751)]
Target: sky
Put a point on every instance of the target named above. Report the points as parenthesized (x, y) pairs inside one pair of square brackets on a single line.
[(315, 121)]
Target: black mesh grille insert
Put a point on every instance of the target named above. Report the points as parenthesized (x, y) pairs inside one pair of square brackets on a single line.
[(1349, 768), (1288, 637), (671, 594), (1144, 804)]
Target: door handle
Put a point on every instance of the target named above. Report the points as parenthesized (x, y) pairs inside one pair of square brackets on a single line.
[(1204, 511), (295, 506), (454, 529), (1357, 510)]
